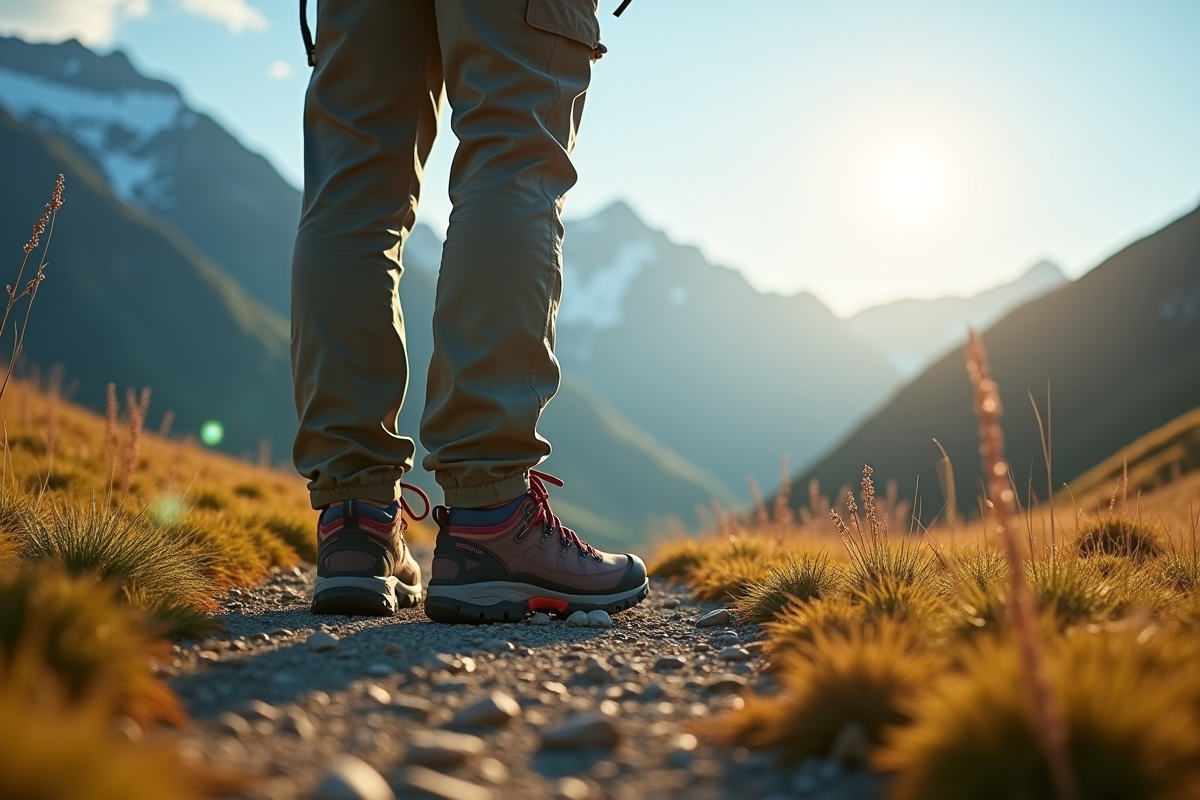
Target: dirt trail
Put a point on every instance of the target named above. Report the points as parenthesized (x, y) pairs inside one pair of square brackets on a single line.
[(266, 700)]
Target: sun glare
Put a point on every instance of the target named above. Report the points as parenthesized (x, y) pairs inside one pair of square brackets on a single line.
[(907, 185)]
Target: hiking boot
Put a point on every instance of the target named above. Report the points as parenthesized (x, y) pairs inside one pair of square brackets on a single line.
[(499, 565), (363, 565)]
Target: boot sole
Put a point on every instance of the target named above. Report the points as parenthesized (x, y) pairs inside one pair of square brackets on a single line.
[(363, 597), (504, 601)]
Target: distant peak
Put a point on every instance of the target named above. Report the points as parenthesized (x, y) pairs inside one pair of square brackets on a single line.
[(1045, 269)]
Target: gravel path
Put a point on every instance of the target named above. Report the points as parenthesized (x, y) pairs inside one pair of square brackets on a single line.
[(518, 711)]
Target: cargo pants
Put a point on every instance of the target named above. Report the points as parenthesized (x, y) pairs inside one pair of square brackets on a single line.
[(515, 73)]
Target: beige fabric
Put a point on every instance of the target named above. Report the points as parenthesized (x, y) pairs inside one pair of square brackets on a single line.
[(515, 73)]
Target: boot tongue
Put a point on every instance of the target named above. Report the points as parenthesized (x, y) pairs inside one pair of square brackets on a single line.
[(485, 517)]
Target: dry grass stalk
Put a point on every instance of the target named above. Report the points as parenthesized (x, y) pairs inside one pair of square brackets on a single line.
[(1046, 714), (111, 411), (762, 518), (164, 427), (50, 426), (138, 406), (16, 292), (783, 500)]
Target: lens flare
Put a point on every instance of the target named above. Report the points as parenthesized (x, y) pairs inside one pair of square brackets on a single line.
[(212, 432)]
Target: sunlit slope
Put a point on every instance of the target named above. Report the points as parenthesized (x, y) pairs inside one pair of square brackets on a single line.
[(1119, 350), (1157, 459)]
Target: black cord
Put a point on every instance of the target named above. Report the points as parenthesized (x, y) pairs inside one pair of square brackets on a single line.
[(621, 8), (309, 47)]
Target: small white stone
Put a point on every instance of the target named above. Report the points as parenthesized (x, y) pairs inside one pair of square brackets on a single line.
[(539, 619), (579, 620), (321, 641), (599, 619), (350, 778), (734, 653)]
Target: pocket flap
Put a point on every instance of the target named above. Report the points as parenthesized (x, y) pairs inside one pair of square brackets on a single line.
[(575, 19)]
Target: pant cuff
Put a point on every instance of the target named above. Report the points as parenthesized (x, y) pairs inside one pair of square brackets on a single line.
[(385, 493), (487, 494)]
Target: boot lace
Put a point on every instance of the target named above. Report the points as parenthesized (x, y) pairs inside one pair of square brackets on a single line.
[(543, 514), (406, 508)]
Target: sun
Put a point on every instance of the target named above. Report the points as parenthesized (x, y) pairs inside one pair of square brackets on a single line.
[(907, 185)]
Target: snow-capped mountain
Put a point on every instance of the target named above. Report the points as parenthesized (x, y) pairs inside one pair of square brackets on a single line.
[(159, 156)]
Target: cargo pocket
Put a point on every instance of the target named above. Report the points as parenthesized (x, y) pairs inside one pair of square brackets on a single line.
[(575, 19)]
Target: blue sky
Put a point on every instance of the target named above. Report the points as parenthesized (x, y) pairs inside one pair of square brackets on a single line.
[(863, 150)]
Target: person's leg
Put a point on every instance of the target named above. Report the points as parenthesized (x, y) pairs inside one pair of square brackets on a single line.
[(516, 72), (516, 92), (369, 122)]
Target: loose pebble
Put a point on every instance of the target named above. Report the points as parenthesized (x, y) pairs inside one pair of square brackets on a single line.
[(578, 620), (296, 721), (493, 771), (727, 683), (380, 670), (722, 616), (442, 748), (670, 603), (734, 653), (350, 778), (592, 729), (595, 671), (411, 704), (378, 694), (599, 619), (670, 663), (321, 641), (653, 692), (444, 786), (496, 709), (571, 788), (539, 619), (231, 724), (258, 710)]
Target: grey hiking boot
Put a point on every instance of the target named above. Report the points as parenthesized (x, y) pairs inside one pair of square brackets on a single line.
[(364, 566), (521, 559)]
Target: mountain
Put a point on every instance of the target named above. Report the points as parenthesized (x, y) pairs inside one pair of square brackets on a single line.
[(128, 299), (1119, 348), (160, 157), (729, 378), (170, 268), (912, 334)]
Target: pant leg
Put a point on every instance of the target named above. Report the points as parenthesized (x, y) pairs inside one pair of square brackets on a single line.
[(516, 94), (370, 117)]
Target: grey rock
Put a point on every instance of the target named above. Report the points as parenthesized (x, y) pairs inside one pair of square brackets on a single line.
[(496, 709), (380, 670), (670, 663), (599, 619), (443, 786), (734, 653), (350, 778), (281, 632), (670, 603), (231, 724), (654, 692), (595, 671), (727, 683), (321, 641), (539, 619), (296, 721), (442, 748), (411, 704), (497, 646), (592, 729), (258, 710), (722, 616), (578, 620)]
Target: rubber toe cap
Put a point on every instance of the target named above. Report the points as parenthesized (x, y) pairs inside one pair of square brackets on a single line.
[(636, 574)]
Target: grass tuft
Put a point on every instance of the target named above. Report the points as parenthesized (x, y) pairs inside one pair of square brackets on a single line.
[(1133, 733), (797, 579), (867, 678), (1117, 535)]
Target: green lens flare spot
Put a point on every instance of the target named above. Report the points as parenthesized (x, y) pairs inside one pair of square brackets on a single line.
[(212, 432)]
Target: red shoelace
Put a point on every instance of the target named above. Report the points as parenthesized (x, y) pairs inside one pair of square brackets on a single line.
[(405, 507), (543, 514)]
